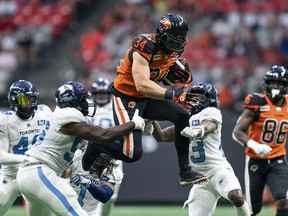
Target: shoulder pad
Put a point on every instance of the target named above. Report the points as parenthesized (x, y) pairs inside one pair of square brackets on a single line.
[(44, 107), (211, 113), (68, 115), (254, 101), (145, 46)]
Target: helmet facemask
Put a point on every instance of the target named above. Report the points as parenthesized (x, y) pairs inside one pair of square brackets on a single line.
[(275, 94), (201, 96), (170, 44), (197, 102), (101, 92), (102, 162), (276, 83), (23, 99)]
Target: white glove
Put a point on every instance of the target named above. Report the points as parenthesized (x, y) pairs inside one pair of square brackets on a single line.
[(149, 128), (261, 149), (78, 179), (189, 132), (139, 121)]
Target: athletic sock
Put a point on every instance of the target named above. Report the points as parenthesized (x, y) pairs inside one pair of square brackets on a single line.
[(243, 210)]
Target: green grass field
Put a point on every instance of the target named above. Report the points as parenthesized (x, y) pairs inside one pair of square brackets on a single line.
[(169, 210)]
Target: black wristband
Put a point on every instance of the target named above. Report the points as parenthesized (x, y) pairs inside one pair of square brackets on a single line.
[(169, 95)]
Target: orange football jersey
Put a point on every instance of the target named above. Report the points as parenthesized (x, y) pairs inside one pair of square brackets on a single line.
[(159, 63), (270, 128)]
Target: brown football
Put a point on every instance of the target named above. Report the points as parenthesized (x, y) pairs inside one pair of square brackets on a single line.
[(171, 78)]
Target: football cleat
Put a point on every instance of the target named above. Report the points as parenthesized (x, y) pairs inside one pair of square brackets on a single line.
[(189, 177)]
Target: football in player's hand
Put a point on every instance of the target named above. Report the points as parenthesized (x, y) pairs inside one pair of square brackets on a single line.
[(178, 73)]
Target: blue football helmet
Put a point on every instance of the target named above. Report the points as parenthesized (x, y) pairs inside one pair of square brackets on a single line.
[(73, 94), (171, 33), (278, 74), (23, 98), (101, 92), (202, 95)]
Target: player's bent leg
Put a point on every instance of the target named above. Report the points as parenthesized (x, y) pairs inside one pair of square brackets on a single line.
[(8, 193), (230, 189), (34, 207), (202, 200), (236, 197), (49, 189), (240, 204), (128, 150)]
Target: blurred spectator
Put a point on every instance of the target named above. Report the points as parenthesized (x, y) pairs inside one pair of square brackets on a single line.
[(26, 49), (8, 7), (8, 66)]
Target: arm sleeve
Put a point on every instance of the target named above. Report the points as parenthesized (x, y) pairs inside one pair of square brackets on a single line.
[(7, 158), (103, 193)]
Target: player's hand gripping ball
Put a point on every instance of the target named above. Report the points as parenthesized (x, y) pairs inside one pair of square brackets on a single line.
[(178, 73)]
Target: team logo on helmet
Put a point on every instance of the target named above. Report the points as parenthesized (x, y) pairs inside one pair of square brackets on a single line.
[(66, 93), (165, 23)]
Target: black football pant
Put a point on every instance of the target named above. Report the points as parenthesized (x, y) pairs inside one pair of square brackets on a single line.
[(129, 149), (261, 172)]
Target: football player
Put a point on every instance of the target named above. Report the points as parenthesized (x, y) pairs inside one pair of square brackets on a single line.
[(138, 86), (265, 117), (104, 118), (19, 129), (97, 185), (206, 154), (55, 148)]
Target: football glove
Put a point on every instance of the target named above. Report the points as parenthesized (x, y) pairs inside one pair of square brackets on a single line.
[(78, 179), (189, 133), (149, 128), (180, 97), (139, 121), (261, 149), (184, 74)]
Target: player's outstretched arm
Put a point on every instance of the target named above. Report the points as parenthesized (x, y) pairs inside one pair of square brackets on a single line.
[(101, 135), (102, 193), (165, 135)]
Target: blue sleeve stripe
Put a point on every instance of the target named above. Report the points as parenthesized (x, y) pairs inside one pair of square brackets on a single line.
[(61, 197)]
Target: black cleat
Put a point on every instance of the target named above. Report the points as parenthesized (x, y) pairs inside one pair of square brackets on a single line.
[(190, 177)]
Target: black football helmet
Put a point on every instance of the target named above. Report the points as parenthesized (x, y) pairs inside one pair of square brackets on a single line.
[(73, 94), (23, 98), (101, 92), (278, 74), (200, 96), (171, 34)]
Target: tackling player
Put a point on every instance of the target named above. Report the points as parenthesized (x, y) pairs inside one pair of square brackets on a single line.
[(206, 154), (138, 86), (265, 117), (104, 118), (97, 185), (19, 129), (55, 148)]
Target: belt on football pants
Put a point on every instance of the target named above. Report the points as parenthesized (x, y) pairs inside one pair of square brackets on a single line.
[(272, 160), (27, 163)]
